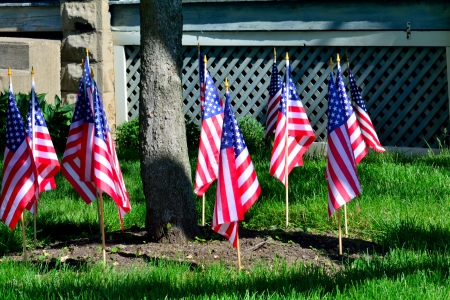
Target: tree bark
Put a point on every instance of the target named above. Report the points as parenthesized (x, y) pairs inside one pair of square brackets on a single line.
[(165, 169)]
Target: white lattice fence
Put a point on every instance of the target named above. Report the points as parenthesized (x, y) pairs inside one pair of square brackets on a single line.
[(405, 88)]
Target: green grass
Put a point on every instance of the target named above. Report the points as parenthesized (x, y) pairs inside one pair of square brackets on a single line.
[(403, 209)]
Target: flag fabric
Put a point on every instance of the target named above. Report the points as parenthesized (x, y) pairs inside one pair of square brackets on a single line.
[(300, 133), (107, 173), (19, 184), (343, 182), (356, 138), (201, 79), (71, 162), (237, 185), (274, 101), (40, 142), (365, 123), (210, 135)]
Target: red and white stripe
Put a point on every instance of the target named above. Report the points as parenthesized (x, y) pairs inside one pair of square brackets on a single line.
[(248, 184), (273, 102), (343, 182), (356, 138), (367, 129)]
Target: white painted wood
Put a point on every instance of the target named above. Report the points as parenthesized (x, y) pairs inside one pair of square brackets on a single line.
[(121, 38), (319, 38), (120, 70)]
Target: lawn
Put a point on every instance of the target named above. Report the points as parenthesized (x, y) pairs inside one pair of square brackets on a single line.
[(403, 210)]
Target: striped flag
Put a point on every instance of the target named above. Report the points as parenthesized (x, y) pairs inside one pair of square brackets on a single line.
[(107, 173), (71, 162), (237, 185), (19, 185), (300, 133), (210, 134), (356, 138), (365, 123), (343, 182), (274, 101), (41, 144)]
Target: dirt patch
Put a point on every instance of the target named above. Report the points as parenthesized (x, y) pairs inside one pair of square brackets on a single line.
[(131, 248)]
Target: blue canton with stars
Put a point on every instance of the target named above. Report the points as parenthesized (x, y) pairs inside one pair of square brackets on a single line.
[(87, 114), (15, 132), (212, 99), (275, 81), (38, 117), (101, 123), (356, 95), (201, 66), (231, 134), (345, 102), (336, 117), (292, 92)]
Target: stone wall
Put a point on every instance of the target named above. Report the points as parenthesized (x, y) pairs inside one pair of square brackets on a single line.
[(86, 24)]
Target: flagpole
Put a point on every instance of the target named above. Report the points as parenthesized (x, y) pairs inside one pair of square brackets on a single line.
[(286, 152), (203, 196), (345, 204), (340, 231), (33, 150), (24, 240)]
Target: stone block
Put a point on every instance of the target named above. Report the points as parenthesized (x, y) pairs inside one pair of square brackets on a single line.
[(21, 54), (79, 16), (74, 46), (70, 76), (110, 109)]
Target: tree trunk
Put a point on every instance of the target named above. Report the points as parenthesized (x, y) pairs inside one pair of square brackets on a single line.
[(165, 169)]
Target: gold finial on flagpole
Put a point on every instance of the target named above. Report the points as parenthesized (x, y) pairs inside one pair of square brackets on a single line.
[(10, 75), (274, 54), (32, 70), (331, 62), (338, 59), (82, 63), (287, 56), (92, 73), (226, 85), (198, 46), (87, 51), (205, 60)]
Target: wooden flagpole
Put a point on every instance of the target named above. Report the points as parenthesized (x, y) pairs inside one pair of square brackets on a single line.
[(340, 231), (24, 240), (33, 149), (345, 204), (286, 152), (203, 196)]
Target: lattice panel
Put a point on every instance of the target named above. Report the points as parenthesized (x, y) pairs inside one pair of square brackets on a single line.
[(405, 88), (133, 61)]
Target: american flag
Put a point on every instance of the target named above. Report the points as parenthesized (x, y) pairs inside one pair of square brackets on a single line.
[(107, 172), (343, 182), (237, 185), (274, 101), (71, 162), (356, 138), (300, 132), (210, 134), (19, 185), (365, 123), (201, 82)]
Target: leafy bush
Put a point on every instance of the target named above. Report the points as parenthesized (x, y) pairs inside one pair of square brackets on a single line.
[(253, 132), (127, 135), (192, 133), (57, 117)]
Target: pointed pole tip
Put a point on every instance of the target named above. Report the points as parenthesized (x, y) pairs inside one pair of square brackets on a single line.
[(287, 55), (9, 71), (338, 59), (32, 70), (204, 59)]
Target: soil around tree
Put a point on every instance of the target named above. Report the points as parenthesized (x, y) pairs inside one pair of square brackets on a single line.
[(131, 248)]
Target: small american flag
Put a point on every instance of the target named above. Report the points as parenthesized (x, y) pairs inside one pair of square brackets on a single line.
[(343, 182), (71, 163), (356, 138), (107, 172), (365, 123), (237, 185), (41, 144), (274, 101), (300, 133), (19, 185), (210, 134)]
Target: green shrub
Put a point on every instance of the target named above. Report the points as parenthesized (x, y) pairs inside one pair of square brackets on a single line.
[(127, 135), (192, 133), (253, 132)]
